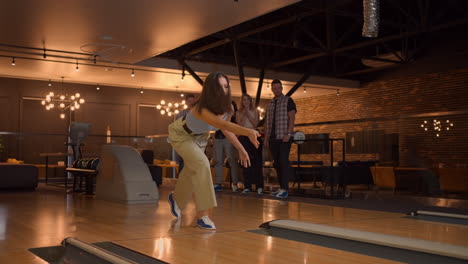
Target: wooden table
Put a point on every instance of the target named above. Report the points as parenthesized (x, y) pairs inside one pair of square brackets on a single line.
[(164, 166), (54, 154)]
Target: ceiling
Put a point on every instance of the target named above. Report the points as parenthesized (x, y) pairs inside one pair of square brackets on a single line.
[(312, 44)]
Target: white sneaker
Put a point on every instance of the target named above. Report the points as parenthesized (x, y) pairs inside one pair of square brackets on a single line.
[(282, 194), (206, 223), (234, 188), (260, 190)]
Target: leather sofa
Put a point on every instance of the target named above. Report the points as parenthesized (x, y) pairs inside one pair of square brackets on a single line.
[(18, 176)]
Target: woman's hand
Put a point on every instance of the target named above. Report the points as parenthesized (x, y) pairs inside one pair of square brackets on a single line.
[(253, 135), (244, 159)]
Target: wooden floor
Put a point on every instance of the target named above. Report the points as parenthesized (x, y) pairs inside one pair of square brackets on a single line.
[(48, 215)]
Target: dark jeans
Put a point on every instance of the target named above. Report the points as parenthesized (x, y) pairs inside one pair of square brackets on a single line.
[(280, 153), (254, 173)]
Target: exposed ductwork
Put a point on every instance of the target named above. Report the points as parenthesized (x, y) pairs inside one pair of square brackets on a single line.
[(371, 14)]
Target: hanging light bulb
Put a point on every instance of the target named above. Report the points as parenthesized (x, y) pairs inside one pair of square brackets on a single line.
[(183, 73), (43, 102), (62, 105), (305, 91), (50, 83), (141, 91), (163, 112), (181, 94), (158, 107), (82, 101), (77, 68), (13, 63), (338, 92), (183, 102), (62, 97), (169, 113), (163, 102), (62, 115), (133, 73), (77, 95)]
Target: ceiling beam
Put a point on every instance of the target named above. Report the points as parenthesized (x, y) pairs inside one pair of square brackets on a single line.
[(371, 42), (298, 84), (193, 73), (264, 28), (240, 69), (260, 85), (272, 43)]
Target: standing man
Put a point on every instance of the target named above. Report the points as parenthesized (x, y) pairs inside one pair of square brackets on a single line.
[(280, 117), (189, 101)]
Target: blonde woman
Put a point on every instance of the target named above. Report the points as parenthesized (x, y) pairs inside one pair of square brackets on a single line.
[(248, 117)]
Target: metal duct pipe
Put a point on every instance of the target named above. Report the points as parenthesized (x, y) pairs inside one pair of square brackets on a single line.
[(371, 13)]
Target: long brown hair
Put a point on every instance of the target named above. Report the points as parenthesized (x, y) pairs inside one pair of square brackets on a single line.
[(251, 106), (213, 97)]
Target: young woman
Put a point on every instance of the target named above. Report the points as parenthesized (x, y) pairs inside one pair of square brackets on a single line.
[(189, 135), (248, 117)]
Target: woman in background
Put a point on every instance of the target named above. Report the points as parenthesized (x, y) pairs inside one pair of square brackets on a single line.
[(248, 117)]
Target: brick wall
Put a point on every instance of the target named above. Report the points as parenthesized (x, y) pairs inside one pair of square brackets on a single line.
[(398, 103)]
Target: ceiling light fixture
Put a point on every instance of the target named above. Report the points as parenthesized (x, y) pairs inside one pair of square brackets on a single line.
[(183, 72), (438, 126), (171, 108), (64, 102)]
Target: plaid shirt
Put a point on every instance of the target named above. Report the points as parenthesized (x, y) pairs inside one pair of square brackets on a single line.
[(280, 113)]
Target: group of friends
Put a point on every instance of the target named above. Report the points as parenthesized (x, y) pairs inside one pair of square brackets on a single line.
[(235, 129)]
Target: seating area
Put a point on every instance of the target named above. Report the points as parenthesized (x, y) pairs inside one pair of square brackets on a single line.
[(18, 176), (441, 181)]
